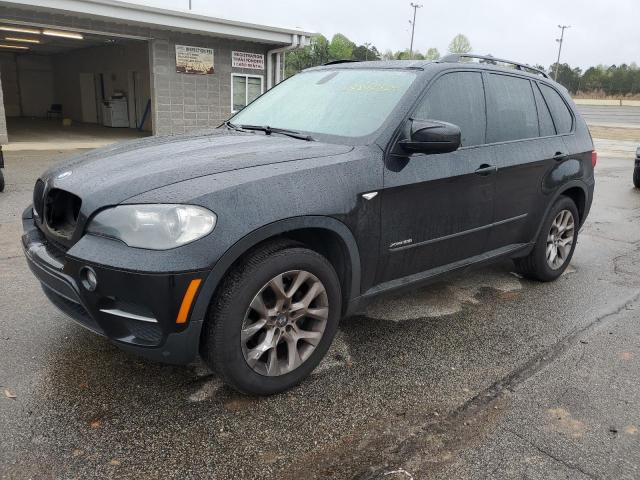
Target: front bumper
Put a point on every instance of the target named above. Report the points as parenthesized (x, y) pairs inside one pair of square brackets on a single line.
[(137, 311)]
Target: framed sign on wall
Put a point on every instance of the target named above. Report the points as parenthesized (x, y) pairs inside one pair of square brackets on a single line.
[(195, 60), (252, 61)]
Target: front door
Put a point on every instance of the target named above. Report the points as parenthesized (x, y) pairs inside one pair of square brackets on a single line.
[(437, 209)]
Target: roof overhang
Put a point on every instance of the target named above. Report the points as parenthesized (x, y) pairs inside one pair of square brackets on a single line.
[(183, 21)]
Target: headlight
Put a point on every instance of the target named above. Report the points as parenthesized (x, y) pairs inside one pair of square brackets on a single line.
[(154, 226)]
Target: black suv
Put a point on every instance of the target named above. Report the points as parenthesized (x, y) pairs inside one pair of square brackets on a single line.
[(248, 243)]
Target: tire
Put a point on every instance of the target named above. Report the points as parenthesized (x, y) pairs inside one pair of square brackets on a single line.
[(636, 177), (537, 265), (235, 309), (1, 181)]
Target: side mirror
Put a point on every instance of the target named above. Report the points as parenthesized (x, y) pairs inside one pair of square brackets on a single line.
[(429, 136)]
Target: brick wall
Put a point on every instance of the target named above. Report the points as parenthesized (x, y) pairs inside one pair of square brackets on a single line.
[(3, 120), (185, 102)]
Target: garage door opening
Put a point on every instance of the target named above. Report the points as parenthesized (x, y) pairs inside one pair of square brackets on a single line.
[(73, 89)]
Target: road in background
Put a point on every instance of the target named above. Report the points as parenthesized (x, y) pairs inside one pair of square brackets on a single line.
[(604, 116)]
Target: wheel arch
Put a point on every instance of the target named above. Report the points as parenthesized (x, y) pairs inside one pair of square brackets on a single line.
[(326, 235), (579, 197), (578, 192)]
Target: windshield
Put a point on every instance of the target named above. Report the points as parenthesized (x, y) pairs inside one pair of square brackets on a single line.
[(348, 103)]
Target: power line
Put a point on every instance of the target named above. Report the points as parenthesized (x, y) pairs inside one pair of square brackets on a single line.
[(415, 7), (560, 40)]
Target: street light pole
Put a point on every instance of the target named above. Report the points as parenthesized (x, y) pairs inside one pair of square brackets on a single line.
[(560, 40), (415, 7)]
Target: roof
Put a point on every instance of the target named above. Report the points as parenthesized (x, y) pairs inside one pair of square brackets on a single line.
[(424, 64), (115, 10)]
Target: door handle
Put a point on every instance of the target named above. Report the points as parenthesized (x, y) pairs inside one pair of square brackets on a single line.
[(486, 169), (559, 156)]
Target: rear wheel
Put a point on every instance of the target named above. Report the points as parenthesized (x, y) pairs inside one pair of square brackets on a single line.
[(273, 319), (1, 181), (555, 245), (636, 177)]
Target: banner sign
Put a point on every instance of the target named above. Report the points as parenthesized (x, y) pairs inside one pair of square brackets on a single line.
[(195, 60), (253, 61)]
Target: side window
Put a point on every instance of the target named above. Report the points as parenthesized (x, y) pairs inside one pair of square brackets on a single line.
[(546, 122), (457, 98), (561, 115), (511, 109)]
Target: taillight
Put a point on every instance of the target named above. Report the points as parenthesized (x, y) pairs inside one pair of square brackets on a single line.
[(594, 158)]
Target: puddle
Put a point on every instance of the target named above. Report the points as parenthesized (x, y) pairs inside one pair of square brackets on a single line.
[(442, 299)]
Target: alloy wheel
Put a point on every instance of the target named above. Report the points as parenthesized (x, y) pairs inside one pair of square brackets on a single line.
[(560, 239), (284, 323)]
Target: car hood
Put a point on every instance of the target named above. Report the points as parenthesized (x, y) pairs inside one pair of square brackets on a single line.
[(110, 175)]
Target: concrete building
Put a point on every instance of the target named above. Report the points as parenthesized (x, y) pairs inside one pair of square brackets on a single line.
[(108, 62)]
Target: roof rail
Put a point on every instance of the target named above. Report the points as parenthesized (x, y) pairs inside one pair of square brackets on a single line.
[(457, 58), (338, 62)]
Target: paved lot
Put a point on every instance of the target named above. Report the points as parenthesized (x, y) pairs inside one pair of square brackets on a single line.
[(484, 376)]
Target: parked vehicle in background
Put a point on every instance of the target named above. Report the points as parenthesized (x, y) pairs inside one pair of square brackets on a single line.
[(1, 167), (636, 169), (247, 245)]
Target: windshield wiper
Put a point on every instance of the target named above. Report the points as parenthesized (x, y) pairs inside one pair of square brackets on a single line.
[(233, 126), (282, 131)]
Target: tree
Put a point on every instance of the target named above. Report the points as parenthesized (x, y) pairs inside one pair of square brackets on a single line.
[(340, 48), (567, 76), (388, 55), (460, 44), (432, 54), (406, 55), (366, 53), (310, 56)]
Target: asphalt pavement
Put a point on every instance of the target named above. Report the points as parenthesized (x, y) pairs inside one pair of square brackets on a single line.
[(611, 116), (486, 375)]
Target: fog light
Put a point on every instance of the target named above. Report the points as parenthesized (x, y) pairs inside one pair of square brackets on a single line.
[(88, 279)]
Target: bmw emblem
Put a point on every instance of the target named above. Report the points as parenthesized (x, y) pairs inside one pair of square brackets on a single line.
[(64, 175)]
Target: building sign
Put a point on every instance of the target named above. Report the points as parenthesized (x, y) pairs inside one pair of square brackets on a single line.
[(196, 60), (253, 61)]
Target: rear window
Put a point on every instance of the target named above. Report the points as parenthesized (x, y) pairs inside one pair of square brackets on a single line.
[(559, 111), (511, 109)]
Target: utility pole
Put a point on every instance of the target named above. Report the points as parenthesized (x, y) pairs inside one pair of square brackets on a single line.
[(415, 7), (560, 40), (189, 4)]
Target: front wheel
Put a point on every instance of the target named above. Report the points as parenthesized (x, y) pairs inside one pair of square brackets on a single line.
[(273, 319), (555, 245), (1, 181), (636, 177)]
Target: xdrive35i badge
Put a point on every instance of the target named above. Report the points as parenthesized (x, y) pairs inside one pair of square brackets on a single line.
[(64, 175), (402, 243)]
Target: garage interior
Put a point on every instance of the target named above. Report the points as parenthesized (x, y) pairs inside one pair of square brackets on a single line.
[(73, 88)]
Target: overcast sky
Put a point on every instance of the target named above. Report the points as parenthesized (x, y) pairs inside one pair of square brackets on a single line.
[(602, 31)]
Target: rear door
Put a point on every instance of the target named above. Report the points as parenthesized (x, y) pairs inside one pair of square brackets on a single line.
[(524, 143), (437, 208)]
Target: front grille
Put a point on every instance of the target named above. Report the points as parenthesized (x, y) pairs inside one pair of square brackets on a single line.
[(38, 198), (61, 210)]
